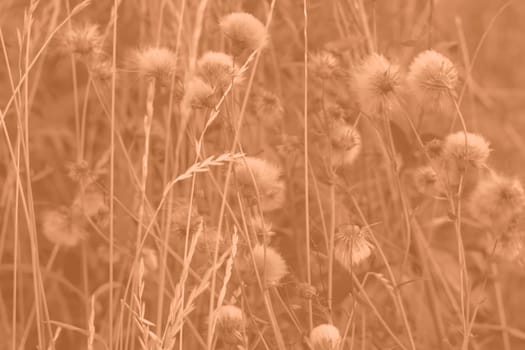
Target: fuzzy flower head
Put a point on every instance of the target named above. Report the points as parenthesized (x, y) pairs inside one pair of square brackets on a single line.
[(432, 77), (260, 181), (466, 149), (158, 63), (230, 324), (324, 65), (270, 264), (102, 72), (59, 227), (198, 95), (426, 180), (218, 69), (83, 41), (352, 246), (376, 83), (325, 337), (268, 108), (497, 201), (346, 143), (244, 30), (509, 248)]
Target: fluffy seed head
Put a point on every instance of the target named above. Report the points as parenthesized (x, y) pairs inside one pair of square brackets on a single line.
[(325, 337), (268, 108), (91, 202), (59, 227), (426, 180), (510, 248), (197, 95), (270, 264), (244, 30), (432, 77), (154, 62), (376, 83), (306, 291), (266, 182), (83, 41), (101, 71), (351, 246), (466, 149), (218, 69), (323, 64), (497, 201), (230, 324), (346, 143)]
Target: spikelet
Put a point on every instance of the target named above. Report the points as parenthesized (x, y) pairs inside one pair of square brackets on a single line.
[(158, 63), (351, 246), (151, 260), (218, 69), (323, 64), (267, 177), (270, 264), (83, 41), (59, 227), (376, 82), (244, 30), (431, 78), (346, 143), (497, 201), (230, 324), (466, 149), (325, 337)]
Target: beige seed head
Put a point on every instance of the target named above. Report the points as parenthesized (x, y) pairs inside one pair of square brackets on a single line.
[(244, 30), (270, 264), (325, 337), (432, 78), (376, 82), (351, 246), (251, 172), (59, 227)]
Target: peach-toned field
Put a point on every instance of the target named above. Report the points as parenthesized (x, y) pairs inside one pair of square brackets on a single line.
[(260, 175)]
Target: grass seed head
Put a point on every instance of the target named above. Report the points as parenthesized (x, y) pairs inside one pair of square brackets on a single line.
[(325, 337), (218, 69), (244, 30), (230, 324), (324, 65), (376, 83), (266, 178), (198, 95), (158, 63), (346, 143), (270, 264), (432, 77), (83, 41), (466, 149), (497, 201), (351, 246), (59, 227)]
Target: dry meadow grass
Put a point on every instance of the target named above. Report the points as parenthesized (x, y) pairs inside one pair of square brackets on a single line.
[(271, 174)]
